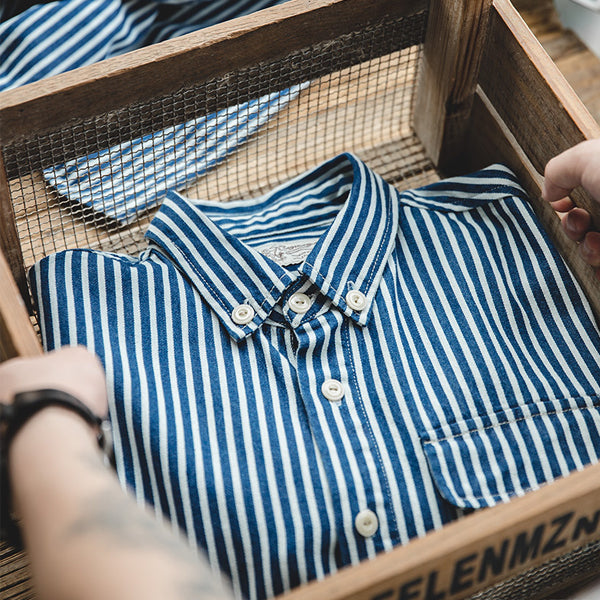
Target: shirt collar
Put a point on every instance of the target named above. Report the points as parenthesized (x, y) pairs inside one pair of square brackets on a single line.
[(355, 239)]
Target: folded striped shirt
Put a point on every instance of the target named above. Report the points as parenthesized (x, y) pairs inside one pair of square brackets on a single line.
[(307, 378)]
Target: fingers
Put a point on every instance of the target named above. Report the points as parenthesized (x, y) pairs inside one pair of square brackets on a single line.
[(590, 248), (71, 369), (563, 205), (576, 223), (562, 175), (579, 165)]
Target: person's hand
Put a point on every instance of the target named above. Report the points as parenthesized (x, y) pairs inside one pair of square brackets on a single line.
[(578, 166), (71, 369)]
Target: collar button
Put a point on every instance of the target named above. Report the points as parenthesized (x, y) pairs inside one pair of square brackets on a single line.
[(299, 303), (356, 300), (242, 314)]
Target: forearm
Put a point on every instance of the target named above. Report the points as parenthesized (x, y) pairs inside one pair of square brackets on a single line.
[(85, 537)]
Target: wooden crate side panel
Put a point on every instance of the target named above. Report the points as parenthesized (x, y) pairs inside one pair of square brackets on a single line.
[(17, 336), (9, 238), (474, 553), (368, 46), (163, 68)]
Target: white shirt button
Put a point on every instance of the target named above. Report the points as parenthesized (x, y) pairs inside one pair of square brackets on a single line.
[(242, 314), (356, 300), (333, 390), (366, 523), (299, 303)]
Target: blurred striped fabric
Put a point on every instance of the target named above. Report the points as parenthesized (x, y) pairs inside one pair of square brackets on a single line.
[(40, 40)]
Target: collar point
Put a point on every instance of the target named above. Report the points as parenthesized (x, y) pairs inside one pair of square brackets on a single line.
[(238, 333), (361, 318)]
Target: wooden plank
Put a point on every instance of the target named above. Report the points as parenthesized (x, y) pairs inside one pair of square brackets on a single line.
[(9, 239), (17, 336), (579, 65), (489, 140), (456, 35), (473, 553), (163, 68), (530, 94), (15, 575)]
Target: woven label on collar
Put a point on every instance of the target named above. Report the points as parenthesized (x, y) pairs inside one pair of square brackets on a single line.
[(288, 254)]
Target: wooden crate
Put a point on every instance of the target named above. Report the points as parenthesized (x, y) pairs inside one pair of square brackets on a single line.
[(417, 89)]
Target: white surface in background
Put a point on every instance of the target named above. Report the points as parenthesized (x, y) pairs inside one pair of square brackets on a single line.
[(582, 17), (589, 592)]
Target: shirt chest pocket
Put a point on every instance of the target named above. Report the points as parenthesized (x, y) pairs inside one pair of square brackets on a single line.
[(480, 462)]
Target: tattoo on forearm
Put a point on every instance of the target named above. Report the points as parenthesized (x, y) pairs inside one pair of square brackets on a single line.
[(115, 519)]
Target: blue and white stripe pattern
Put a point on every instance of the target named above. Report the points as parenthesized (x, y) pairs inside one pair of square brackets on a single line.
[(470, 373), (121, 181), (55, 37)]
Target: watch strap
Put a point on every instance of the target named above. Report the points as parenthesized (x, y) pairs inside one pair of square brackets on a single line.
[(27, 404)]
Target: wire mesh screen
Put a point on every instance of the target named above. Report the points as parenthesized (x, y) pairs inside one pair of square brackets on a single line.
[(551, 580), (97, 184)]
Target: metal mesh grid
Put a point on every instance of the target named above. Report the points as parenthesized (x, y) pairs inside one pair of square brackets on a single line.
[(356, 93), (549, 581)]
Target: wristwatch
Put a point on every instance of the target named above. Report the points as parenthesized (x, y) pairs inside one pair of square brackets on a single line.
[(12, 417)]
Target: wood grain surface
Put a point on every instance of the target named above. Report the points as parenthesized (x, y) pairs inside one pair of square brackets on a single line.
[(579, 65), (475, 552), (9, 238), (17, 336), (454, 44), (529, 92)]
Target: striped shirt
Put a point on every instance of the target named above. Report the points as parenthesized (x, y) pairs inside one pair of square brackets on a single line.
[(40, 39), (307, 378), (121, 181)]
